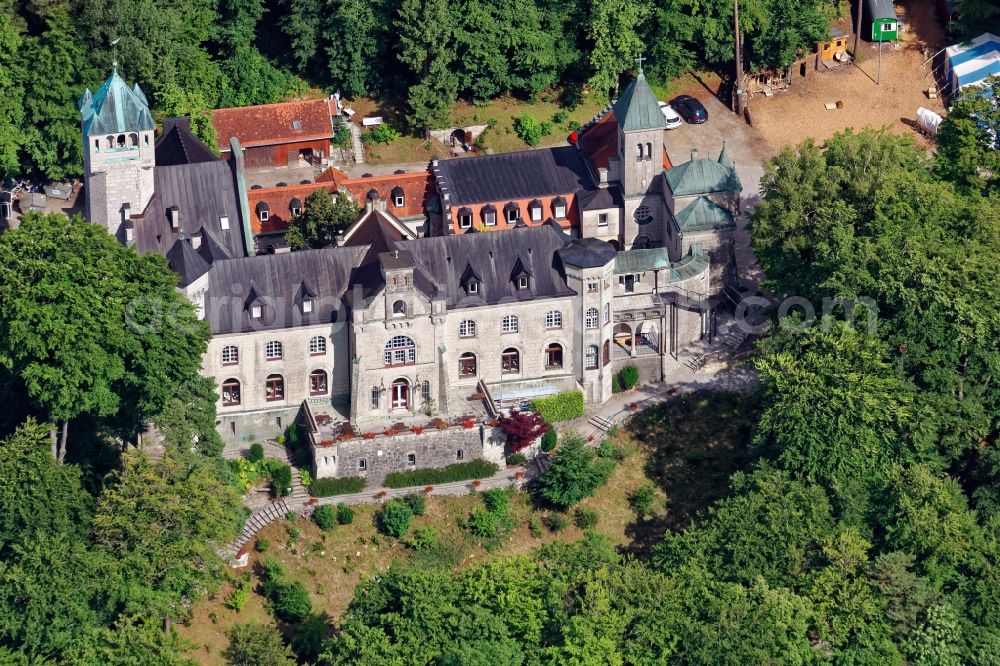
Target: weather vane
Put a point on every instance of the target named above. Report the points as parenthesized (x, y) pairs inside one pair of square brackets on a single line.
[(114, 57)]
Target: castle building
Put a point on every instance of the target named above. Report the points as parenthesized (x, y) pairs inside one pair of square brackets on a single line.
[(605, 255)]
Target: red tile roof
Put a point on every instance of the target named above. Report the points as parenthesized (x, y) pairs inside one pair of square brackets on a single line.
[(279, 200), (417, 186), (600, 141), (271, 124)]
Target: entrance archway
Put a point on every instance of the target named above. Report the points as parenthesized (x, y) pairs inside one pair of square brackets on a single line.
[(623, 338), (400, 394)]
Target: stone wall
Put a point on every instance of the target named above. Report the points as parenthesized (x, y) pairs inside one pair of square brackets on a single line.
[(431, 449)]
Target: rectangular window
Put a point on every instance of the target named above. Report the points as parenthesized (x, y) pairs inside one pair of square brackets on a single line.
[(411, 458), (512, 214), (307, 307), (490, 219), (536, 214), (459, 454), (399, 202), (388, 358), (263, 216), (362, 464), (592, 286), (473, 287), (522, 282), (560, 211), (255, 311), (464, 221), (602, 220), (224, 223), (295, 211)]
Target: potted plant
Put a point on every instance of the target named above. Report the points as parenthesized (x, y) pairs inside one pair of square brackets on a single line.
[(468, 424), (313, 501), (369, 435), (326, 443), (382, 494), (417, 429), (476, 483), (428, 490), (389, 433), (633, 406)]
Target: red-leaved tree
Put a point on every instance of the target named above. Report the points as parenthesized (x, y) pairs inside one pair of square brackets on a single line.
[(522, 428)]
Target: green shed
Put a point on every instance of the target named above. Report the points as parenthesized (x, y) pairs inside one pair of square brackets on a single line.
[(881, 16)]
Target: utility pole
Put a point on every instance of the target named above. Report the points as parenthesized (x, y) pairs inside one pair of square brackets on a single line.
[(857, 32), (739, 59), (878, 76)]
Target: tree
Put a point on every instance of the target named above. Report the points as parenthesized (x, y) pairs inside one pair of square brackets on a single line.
[(356, 39), (967, 142), (176, 101), (574, 473), (257, 645), (395, 518), (425, 34), (11, 96), (522, 428), (322, 219), (612, 31), (291, 601), (641, 500)]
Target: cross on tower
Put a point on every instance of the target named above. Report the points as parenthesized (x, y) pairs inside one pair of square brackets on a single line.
[(639, 59)]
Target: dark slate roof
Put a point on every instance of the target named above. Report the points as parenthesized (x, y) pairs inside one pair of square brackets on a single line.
[(587, 253), (703, 215), (703, 176), (203, 193), (115, 108), (276, 282), (177, 145), (493, 258), (637, 108), (520, 175), (605, 197), (186, 262)]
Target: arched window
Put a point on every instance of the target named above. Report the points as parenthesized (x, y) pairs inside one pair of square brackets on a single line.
[(230, 392), (133, 140), (592, 318), (553, 356), (401, 394), (274, 387), (317, 345), (376, 394), (467, 329), (111, 141), (510, 361), (590, 359), (399, 309), (638, 151), (508, 324), (317, 382), (467, 365), (400, 350), (641, 242), (274, 350), (649, 151), (553, 319), (607, 352), (425, 391), (230, 355), (121, 141)]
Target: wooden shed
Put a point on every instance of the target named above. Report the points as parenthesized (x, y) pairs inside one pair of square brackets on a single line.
[(835, 43)]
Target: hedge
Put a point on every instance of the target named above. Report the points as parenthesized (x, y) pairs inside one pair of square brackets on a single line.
[(560, 407), (474, 469), (342, 486)]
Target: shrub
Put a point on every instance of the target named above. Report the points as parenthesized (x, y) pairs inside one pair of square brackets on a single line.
[(560, 116), (585, 518), (607, 450), (497, 500), (281, 479), (473, 469), (485, 524), (416, 502), (291, 601), (257, 644), (616, 384), (535, 527), (424, 538), (395, 518), (343, 486), (342, 136), (256, 452), (238, 597), (629, 377), (309, 638), (521, 429), (516, 459), (641, 500), (556, 521), (381, 134), (561, 407), (325, 517), (262, 545), (528, 129), (305, 477), (546, 128), (345, 514), (549, 440), (574, 474)]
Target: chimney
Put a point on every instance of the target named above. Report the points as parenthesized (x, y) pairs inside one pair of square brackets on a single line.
[(603, 175), (174, 215), (196, 240), (694, 154)]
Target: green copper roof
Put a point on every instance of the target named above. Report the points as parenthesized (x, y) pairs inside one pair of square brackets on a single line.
[(704, 176), (695, 263), (637, 108), (115, 108), (654, 259), (703, 215)]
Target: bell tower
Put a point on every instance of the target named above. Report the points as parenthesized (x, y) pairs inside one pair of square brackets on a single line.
[(640, 135), (118, 153)]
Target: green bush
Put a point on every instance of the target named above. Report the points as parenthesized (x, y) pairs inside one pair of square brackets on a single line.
[(549, 440), (616, 384), (281, 479), (585, 518), (395, 518), (485, 524), (424, 538), (238, 597), (262, 545), (528, 129), (575, 473), (325, 517), (473, 469), (310, 638), (346, 485), (345, 514), (642, 499), (256, 452), (381, 134), (560, 116), (342, 136), (561, 407), (416, 502), (516, 459), (291, 601), (546, 127), (535, 527), (497, 500), (628, 376), (556, 521)]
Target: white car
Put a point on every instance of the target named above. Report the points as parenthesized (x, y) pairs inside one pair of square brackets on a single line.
[(672, 117)]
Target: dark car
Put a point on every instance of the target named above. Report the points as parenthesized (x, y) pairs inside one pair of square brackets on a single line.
[(690, 109)]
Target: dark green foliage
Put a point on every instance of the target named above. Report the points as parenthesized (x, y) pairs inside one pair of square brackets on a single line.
[(528, 129), (281, 478), (641, 500), (323, 217), (549, 440), (381, 135), (423, 539), (238, 597), (967, 139), (291, 601), (416, 502), (585, 518), (257, 645), (325, 517), (575, 473), (516, 459), (262, 545), (474, 469), (628, 377), (561, 407), (556, 522), (330, 487), (395, 518), (345, 514), (310, 637), (256, 452)]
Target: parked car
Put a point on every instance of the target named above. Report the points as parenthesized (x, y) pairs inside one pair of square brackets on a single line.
[(690, 109), (573, 137), (669, 115)]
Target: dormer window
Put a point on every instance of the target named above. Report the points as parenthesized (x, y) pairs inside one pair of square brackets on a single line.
[(174, 215), (398, 197), (256, 311), (489, 215), (522, 282), (535, 210), (307, 306), (472, 287), (559, 208), (263, 211), (464, 218), (295, 206), (224, 223), (511, 212)]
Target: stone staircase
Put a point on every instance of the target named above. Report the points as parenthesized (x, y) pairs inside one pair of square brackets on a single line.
[(356, 145)]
